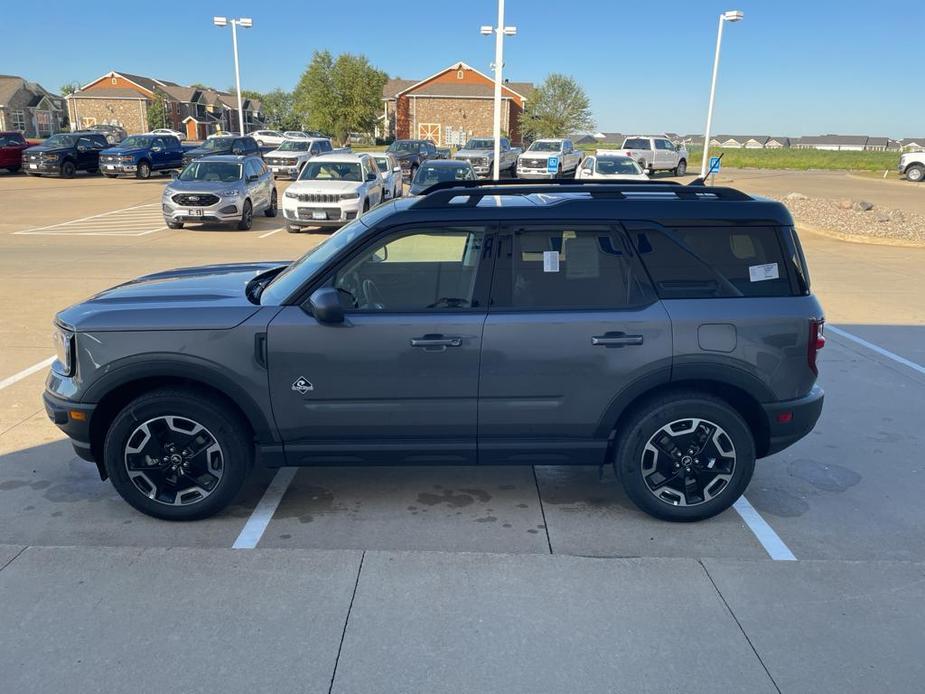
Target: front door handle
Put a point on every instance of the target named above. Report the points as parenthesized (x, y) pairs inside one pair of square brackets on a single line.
[(616, 340), (439, 341)]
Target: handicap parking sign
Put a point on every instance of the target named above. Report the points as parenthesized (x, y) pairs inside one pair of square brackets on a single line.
[(714, 165), (552, 165)]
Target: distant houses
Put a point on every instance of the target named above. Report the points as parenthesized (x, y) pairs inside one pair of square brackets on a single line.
[(30, 108), (846, 143)]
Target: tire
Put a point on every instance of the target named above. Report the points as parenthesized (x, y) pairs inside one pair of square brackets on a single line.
[(414, 170), (915, 173), (143, 171), (260, 143), (174, 225), (111, 175), (639, 465), (271, 210), (68, 169), (681, 168), (168, 422), (247, 216), (293, 229)]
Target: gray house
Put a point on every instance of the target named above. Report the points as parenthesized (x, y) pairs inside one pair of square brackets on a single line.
[(30, 108)]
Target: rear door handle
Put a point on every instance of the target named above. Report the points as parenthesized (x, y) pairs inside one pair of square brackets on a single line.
[(436, 341), (616, 340)]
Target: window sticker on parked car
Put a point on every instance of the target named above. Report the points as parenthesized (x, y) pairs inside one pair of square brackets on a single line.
[(759, 273), (583, 258), (550, 261)]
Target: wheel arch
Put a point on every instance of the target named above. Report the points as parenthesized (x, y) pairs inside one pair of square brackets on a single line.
[(742, 399), (121, 386)]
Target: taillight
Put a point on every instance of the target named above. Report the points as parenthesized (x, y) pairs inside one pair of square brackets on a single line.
[(816, 342)]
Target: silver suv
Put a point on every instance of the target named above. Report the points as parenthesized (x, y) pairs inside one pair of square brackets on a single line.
[(222, 189), (667, 330)]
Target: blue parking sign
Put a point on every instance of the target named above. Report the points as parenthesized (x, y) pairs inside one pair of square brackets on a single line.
[(714, 165), (552, 165)]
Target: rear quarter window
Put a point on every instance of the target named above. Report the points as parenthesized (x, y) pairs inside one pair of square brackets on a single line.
[(712, 262)]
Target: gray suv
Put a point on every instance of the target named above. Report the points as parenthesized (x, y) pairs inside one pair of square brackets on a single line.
[(220, 189), (667, 330)]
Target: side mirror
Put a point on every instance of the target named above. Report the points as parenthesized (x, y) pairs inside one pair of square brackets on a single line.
[(252, 178), (325, 306)]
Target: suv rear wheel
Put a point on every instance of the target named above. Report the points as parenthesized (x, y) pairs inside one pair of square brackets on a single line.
[(685, 457), (177, 454), (143, 170), (681, 168)]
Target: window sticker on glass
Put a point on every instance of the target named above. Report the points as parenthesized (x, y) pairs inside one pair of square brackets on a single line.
[(583, 258), (550, 261), (759, 273)]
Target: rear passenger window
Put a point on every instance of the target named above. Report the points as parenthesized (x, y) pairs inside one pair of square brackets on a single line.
[(568, 268), (710, 262)]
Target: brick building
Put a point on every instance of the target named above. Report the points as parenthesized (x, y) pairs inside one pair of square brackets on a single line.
[(119, 98), (451, 106)]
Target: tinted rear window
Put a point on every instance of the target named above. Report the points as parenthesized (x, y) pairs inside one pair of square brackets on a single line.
[(637, 143), (707, 262)]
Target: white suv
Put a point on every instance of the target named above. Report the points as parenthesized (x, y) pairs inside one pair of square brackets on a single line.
[(332, 190)]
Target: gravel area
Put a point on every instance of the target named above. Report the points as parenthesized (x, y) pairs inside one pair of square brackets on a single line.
[(857, 220)]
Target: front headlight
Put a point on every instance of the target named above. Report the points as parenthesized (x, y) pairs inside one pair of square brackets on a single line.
[(230, 193), (349, 196), (50, 157), (290, 194), (64, 351)]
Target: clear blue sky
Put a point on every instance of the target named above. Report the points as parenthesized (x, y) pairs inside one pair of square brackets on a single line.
[(790, 68)]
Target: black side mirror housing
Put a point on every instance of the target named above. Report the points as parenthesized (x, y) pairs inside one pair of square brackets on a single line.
[(325, 306)]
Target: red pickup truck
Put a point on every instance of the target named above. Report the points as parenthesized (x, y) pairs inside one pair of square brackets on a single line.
[(11, 146)]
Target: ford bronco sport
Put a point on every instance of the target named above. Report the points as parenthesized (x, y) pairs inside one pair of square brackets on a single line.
[(668, 330)]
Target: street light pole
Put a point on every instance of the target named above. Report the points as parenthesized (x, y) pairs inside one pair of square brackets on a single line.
[(500, 31), (245, 23), (730, 16)]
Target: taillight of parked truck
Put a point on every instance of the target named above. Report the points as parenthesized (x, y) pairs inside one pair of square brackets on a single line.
[(816, 342)]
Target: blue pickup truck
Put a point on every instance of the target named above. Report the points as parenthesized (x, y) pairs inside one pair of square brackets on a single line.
[(139, 155)]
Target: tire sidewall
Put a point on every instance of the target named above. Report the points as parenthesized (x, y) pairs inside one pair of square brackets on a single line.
[(247, 216), (631, 444), (68, 169), (916, 174), (222, 425)]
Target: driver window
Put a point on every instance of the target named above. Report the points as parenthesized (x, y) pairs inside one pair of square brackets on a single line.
[(421, 270)]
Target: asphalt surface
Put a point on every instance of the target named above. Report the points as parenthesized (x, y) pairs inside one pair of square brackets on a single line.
[(476, 579)]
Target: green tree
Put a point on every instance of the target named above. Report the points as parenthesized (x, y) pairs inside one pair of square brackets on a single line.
[(200, 85), (559, 108), (339, 96), (277, 106), (157, 113), (69, 88)]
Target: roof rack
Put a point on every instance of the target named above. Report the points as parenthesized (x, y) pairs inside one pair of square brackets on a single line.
[(440, 194)]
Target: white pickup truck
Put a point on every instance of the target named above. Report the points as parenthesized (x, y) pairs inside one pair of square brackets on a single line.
[(548, 158), (656, 154), (288, 159), (480, 152), (912, 166)]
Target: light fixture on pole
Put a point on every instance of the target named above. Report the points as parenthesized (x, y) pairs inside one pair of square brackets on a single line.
[(244, 23), (500, 32), (730, 16)]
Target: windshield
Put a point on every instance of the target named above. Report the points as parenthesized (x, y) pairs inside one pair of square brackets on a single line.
[(216, 171), (332, 171), (541, 146), (136, 141), (480, 144), (401, 146), (428, 175), (301, 270), (217, 143), (295, 146), (60, 141), (617, 165)]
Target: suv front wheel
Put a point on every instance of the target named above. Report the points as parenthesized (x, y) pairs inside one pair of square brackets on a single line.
[(685, 457), (177, 454)]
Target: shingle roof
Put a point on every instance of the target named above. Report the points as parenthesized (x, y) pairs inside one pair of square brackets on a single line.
[(9, 85), (912, 141), (179, 93), (393, 86), (832, 140)]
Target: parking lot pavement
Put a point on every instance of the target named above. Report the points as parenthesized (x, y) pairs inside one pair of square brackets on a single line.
[(172, 620)]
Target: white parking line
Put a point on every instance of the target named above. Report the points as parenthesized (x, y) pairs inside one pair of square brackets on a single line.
[(876, 348), (25, 373), (263, 513), (270, 233), (769, 539), (138, 220)]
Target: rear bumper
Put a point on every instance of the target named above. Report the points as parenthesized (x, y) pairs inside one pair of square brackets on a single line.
[(61, 412), (791, 420)]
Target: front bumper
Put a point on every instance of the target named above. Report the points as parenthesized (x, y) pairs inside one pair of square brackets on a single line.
[(308, 214), (790, 420), (45, 167), (118, 167), (226, 211), (74, 420), (535, 174), (285, 170)]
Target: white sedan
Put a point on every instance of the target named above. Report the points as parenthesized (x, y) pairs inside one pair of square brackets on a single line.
[(268, 138), (610, 166), (390, 171), (167, 131)]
